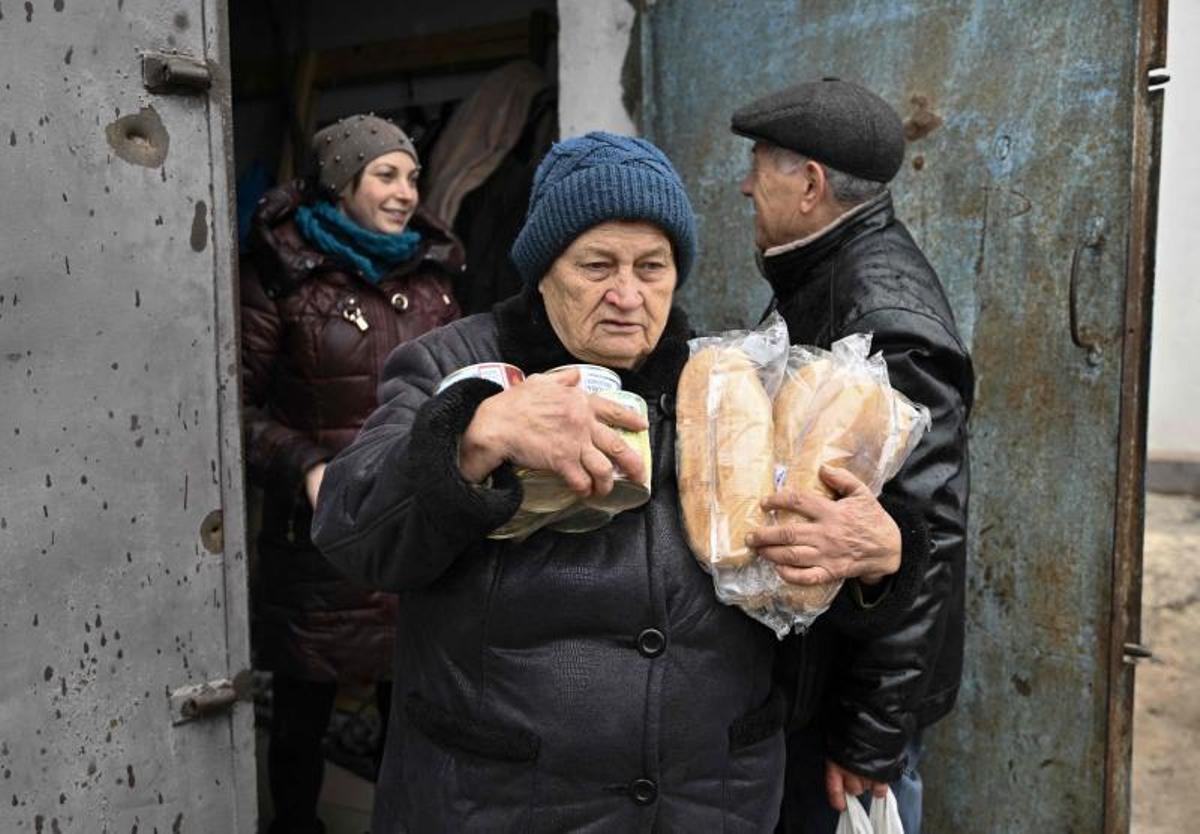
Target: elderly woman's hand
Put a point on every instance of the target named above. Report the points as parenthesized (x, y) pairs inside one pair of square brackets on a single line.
[(851, 537), (548, 422)]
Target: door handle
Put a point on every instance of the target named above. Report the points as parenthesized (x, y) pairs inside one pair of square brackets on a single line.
[(1092, 242)]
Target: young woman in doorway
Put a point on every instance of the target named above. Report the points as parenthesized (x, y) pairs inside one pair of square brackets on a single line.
[(340, 272)]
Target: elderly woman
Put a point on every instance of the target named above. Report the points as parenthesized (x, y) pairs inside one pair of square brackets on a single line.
[(340, 272), (567, 682)]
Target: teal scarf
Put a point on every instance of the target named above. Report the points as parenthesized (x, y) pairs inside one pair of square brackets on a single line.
[(373, 253)]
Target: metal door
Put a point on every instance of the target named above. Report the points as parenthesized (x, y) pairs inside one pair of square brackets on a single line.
[(1029, 183), (123, 577)]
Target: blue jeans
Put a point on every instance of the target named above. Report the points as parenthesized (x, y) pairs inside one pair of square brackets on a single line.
[(806, 808)]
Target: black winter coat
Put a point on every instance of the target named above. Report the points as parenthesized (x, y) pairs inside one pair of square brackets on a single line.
[(565, 683), (872, 694)]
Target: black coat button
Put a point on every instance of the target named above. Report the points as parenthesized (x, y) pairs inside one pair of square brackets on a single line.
[(643, 791), (651, 642), (666, 404)]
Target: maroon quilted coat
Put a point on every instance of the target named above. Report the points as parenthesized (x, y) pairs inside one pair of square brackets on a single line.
[(314, 338)]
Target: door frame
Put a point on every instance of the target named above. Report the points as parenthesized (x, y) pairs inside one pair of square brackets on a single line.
[(1125, 623)]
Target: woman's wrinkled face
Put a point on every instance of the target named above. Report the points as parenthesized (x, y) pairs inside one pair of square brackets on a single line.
[(386, 195), (609, 293)]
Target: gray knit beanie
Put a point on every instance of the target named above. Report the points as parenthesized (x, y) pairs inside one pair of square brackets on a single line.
[(591, 179), (345, 147)]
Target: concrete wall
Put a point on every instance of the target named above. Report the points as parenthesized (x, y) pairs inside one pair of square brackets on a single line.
[(593, 37), (1174, 431)]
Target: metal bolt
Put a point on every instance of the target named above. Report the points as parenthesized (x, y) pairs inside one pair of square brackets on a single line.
[(361, 156), (337, 158)]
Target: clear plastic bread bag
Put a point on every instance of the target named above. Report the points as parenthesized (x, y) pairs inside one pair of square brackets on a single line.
[(724, 454), (834, 408)]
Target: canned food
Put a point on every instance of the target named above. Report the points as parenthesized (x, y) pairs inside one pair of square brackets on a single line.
[(627, 494), (581, 518), (543, 492), (522, 525), (501, 373), (592, 378), (547, 502)]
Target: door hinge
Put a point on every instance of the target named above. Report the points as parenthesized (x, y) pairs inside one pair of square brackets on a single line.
[(1136, 651), (172, 73), (202, 700), (1157, 78)]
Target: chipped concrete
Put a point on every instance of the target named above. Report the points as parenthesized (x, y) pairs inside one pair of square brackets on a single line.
[(1166, 729)]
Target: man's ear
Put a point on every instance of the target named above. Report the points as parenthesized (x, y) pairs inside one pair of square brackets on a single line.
[(815, 185)]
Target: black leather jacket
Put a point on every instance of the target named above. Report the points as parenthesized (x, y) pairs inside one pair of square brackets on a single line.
[(866, 275)]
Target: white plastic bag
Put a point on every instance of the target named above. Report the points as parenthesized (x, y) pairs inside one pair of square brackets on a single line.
[(885, 815), (883, 819), (854, 819)]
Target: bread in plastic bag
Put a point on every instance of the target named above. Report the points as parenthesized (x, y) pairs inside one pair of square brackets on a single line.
[(836, 408), (724, 454), (754, 416)]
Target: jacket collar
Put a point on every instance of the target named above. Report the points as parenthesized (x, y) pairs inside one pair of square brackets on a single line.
[(528, 341), (285, 259), (787, 267)]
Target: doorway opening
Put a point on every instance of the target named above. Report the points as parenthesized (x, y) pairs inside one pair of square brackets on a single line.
[(474, 84)]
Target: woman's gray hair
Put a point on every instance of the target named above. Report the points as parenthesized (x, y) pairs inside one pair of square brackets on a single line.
[(847, 189)]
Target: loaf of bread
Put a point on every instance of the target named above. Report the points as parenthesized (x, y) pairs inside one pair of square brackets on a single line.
[(693, 458), (827, 417), (725, 464)]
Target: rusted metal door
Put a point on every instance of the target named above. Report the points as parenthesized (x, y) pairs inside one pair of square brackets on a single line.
[(1029, 182), (123, 578)]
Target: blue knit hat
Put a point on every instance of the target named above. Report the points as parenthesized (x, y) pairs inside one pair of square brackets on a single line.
[(591, 179)]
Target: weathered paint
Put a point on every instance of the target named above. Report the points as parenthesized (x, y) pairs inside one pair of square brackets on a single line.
[(1020, 164), (119, 426)]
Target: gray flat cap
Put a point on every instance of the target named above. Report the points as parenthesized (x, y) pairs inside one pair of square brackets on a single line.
[(838, 123)]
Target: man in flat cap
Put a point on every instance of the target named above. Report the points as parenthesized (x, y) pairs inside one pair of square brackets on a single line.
[(840, 262)]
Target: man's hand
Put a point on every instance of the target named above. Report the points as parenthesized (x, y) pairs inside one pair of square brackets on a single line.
[(852, 536), (549, 423), (839, 782), (312, 483)]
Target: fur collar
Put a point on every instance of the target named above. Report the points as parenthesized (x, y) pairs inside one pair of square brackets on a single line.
[(528, 341)]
